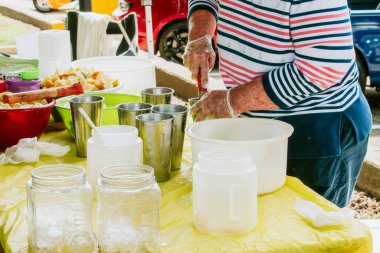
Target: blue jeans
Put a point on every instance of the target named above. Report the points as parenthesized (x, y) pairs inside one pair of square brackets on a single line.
[(333, 177)]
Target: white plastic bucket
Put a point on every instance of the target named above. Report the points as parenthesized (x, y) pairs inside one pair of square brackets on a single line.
[(265, 140), (134, 73)]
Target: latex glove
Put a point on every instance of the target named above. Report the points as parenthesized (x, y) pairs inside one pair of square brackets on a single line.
[(199, 56), (213, 105)]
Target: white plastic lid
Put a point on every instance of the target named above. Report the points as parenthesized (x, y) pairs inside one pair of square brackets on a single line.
[(224, 160), (115, 135)]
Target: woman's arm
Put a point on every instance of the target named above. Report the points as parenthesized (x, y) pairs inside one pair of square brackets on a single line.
[(251, 97), (199, 54), (324, 56), (201, 23)]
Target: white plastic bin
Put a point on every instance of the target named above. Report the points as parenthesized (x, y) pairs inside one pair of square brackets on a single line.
[(266, 140), (134, 73)]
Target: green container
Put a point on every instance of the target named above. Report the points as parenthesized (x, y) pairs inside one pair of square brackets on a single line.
[(30, 73), (109, 112)]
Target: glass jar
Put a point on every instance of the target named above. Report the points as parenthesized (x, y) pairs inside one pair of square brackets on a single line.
[(128, 209), (60, 210)]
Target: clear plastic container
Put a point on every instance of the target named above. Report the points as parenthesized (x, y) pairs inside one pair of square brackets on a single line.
[(128, 210), (60, 210), (224, 192), (113, 145)]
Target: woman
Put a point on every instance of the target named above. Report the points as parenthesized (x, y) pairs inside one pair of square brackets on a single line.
[(292, 60)]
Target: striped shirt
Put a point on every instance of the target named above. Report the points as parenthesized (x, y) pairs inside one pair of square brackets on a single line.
[(302, 48)]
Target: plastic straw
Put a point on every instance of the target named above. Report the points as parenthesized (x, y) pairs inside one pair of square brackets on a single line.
[(89, 121)]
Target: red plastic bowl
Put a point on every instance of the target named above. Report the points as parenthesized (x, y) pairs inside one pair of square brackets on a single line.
[(16, 124), (3, 86)]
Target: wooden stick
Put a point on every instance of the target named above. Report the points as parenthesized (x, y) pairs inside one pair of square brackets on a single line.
[(201, 90), (27, 96)]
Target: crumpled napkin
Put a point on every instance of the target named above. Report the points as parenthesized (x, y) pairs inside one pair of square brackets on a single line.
[(319, 217), (29, 150)]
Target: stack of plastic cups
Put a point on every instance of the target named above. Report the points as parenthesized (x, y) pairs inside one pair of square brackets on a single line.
[(224, 192)]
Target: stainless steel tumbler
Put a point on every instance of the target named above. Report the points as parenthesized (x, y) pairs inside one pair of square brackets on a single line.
[(193, 101), (92, 105), (179, 124), (157, 95), (156, 129), (128, 112)]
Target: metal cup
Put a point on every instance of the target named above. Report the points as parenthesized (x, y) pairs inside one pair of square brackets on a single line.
[(128, 112), (193, 101), (155, 130), (179, 124), (157, 95), (92, 105)]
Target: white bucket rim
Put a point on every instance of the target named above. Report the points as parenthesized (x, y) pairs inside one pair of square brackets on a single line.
[(118, 58), (287, 127)]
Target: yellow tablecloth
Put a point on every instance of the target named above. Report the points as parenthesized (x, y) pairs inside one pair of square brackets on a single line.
[(279, 228)]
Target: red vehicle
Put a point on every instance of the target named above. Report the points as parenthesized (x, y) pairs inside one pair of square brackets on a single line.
[(169, 25)]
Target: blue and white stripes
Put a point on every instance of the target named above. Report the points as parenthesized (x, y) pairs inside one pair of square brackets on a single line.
[(302, 48)]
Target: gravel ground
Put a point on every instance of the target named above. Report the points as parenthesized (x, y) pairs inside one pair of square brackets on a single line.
[(365, 206)]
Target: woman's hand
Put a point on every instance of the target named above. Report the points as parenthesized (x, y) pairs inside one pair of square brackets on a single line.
[(229, 103), (213, 105), (199, 56)]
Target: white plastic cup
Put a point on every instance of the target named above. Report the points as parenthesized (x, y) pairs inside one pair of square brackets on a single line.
[(224, 192), (113, 145)]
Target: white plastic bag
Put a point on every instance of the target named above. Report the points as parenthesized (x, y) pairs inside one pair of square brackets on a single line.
[(319, 217), (29, 150)]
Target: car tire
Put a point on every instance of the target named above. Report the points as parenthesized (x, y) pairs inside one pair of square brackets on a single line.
[(172, 41), (38, 4), (362, 72)]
